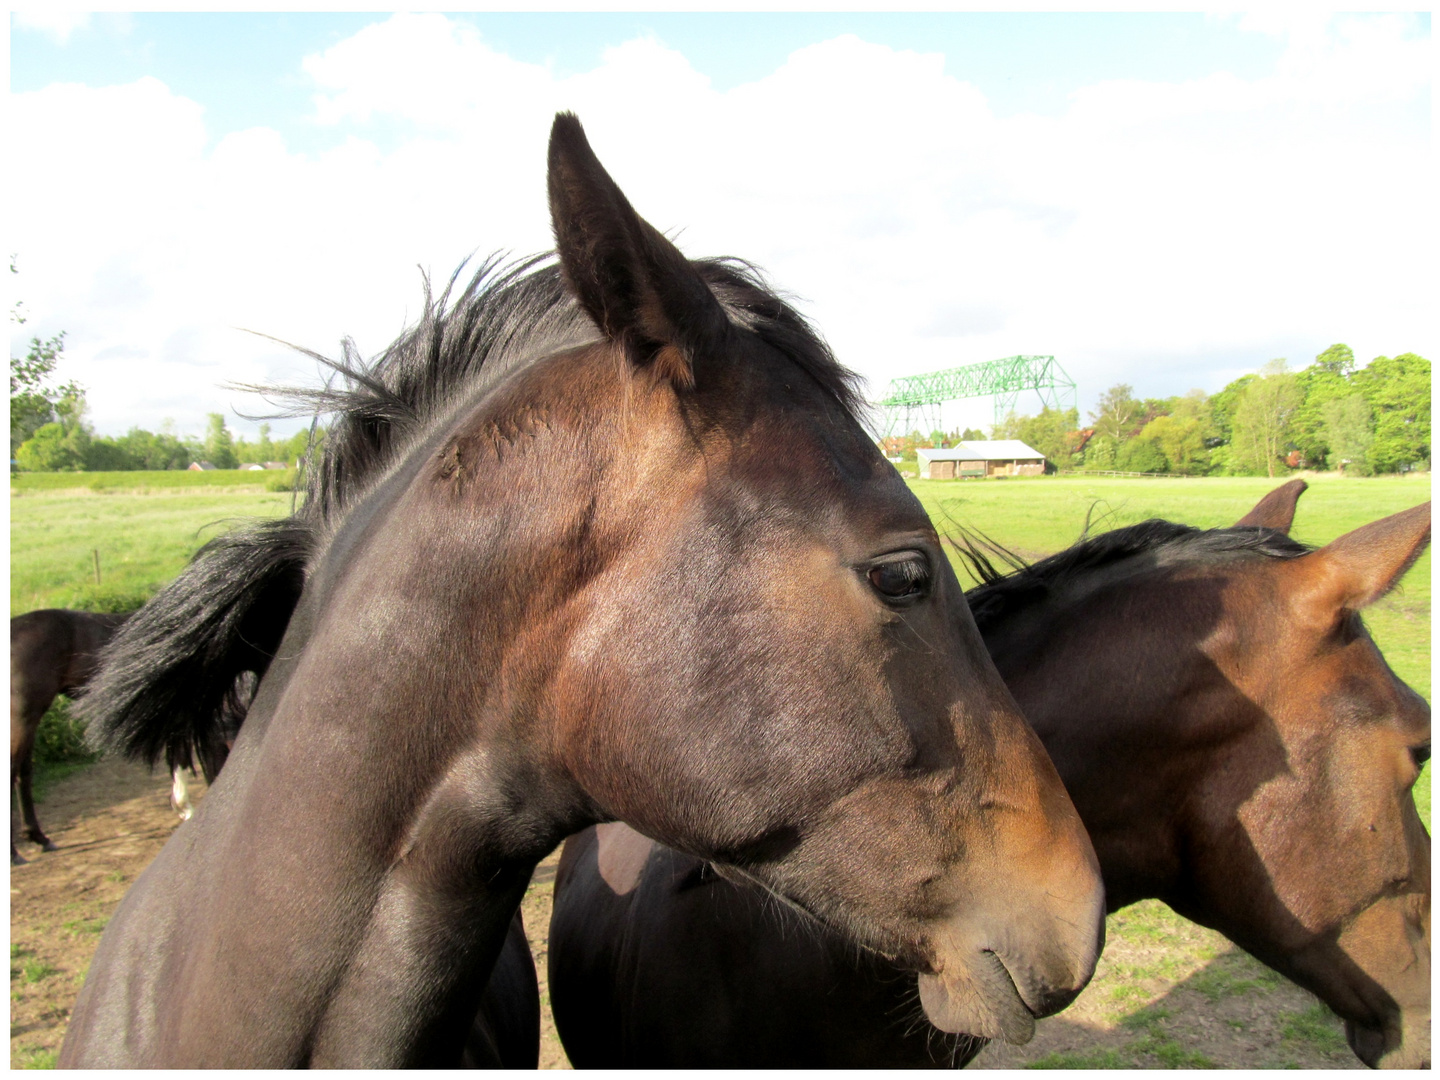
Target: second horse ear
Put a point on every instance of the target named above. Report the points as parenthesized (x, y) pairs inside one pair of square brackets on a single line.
[(1277, 509), (1355, 570), (641, 291)]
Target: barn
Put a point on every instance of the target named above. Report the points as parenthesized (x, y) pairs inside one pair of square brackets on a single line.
[(980, 457)]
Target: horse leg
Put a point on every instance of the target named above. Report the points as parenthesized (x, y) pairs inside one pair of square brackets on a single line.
[(16, 859), (180, 794), (27, 801)]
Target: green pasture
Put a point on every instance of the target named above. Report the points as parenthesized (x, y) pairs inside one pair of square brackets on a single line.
[(143, 540)]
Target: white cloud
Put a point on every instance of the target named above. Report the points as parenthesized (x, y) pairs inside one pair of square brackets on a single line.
[(54, 22), (1163, 234)]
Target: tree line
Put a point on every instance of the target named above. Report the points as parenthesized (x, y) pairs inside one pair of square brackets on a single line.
[(1331, 415), (49, 433)]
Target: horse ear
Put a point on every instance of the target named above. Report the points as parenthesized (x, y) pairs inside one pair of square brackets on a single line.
[(1276, 510), (642, 293), (1362, 566)]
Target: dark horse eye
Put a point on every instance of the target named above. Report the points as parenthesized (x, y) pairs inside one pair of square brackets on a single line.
[(904, 578), (1420, 754)]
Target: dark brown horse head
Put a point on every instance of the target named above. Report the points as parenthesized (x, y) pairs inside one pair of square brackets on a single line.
[(1238, 747), (1351, 740), (606, 542), (768, 661)]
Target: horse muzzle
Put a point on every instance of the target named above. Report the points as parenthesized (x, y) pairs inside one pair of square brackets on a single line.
[(1403, 1045), (995, 977)]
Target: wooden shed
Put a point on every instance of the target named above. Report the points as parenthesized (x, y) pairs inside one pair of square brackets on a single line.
[(979, 458)]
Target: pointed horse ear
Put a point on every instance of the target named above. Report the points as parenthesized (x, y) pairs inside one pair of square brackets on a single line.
[(642, 293), (1276, 510), (1357, 569)]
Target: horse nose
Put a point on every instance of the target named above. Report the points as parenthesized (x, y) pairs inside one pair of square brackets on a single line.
[(1022, 949), (1051, 946)]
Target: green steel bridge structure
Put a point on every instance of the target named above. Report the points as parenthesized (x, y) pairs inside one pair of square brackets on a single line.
[(919, 397)]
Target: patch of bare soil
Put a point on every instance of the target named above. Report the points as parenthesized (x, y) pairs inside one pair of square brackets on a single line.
[(110, 821), (535, 910)]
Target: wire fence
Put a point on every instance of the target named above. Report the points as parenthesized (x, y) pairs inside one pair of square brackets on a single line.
[(1112, 472)]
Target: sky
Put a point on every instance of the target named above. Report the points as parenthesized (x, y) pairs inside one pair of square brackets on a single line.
[(1163, 200)]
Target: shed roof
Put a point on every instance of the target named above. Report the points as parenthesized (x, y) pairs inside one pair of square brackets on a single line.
[(983, 450)]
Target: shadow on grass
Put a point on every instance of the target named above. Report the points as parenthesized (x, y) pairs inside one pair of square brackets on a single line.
[(1232, 1013)]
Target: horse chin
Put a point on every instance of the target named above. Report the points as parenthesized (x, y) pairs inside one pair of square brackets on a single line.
[(978, 999), (1401, 1046)]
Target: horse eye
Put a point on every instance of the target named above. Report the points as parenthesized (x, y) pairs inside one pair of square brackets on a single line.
[(1420, 754), (901, 579)]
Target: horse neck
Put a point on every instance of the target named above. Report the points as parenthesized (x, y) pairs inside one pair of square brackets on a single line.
[(1117, 685), (409, 689)]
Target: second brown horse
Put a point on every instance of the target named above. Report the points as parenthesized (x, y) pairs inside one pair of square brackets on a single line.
[(1236, 746)]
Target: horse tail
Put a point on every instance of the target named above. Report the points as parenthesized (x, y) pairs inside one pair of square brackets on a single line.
[(170, 680)]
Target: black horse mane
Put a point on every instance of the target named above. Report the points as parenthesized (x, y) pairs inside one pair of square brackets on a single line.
[(169, 681), (1002, 593), (505, 317)]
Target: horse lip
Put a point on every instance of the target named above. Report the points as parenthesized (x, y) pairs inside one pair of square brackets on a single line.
[(1371, 1043), (991, 982)]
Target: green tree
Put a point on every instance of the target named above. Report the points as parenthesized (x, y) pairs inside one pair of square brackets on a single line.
[(1142, 453), (54, 448), (219, 445), (1049, 432), (1398, 390), (255, 453), (1009, 428), (1223, 405), (1181, 440), (1336, 360), (1261, 425), (1100, 452), (1117, 413), (1348, 428), (1326, 380), (33, 401)]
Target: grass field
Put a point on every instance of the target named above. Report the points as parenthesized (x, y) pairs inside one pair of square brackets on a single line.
[(143, 540)]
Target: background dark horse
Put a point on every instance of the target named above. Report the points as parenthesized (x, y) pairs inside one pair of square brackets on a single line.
[(57, 651), (1233, 740), (52, 651), (602, 542)]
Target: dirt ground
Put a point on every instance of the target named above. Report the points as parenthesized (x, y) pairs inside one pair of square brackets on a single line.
[(1167, 994)]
